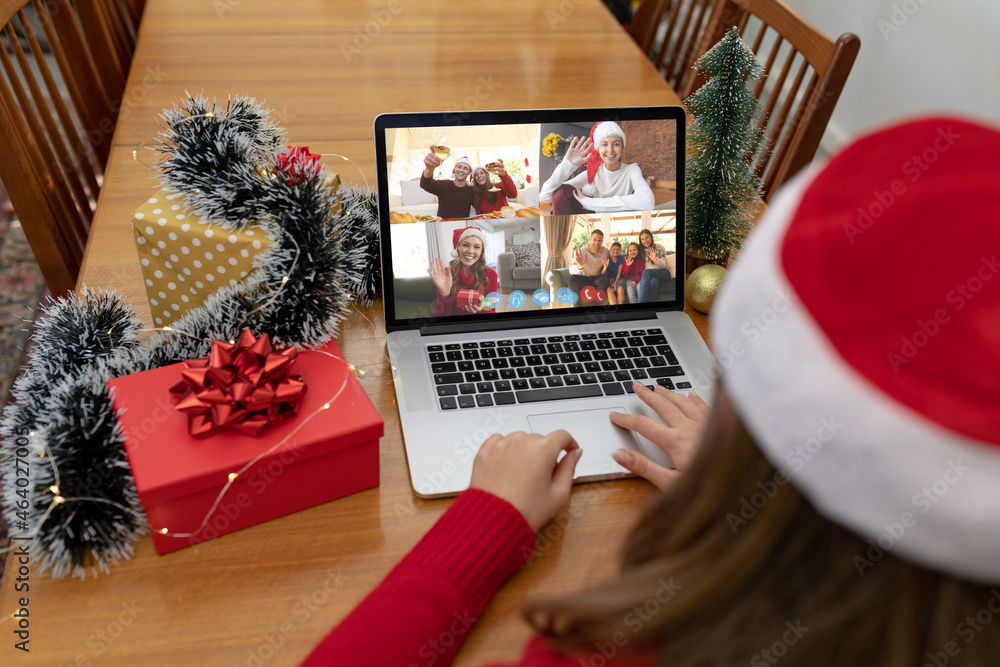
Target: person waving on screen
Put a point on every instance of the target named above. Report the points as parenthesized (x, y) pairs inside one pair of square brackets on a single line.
[(608, 184), (463, 284)]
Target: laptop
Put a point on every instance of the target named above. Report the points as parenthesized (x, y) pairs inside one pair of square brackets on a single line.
[(492, 326)]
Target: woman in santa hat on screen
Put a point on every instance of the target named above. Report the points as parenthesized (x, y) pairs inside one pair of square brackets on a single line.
[(462, 285), (606, 185), (485, 201), (839, 503)]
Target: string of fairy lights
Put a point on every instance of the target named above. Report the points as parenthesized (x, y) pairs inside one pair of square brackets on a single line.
[(55, 491)]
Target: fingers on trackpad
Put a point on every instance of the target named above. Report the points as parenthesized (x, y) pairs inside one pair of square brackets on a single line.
[(595, 433)]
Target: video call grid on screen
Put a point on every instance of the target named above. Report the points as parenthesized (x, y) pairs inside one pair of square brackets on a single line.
[(512, 241)]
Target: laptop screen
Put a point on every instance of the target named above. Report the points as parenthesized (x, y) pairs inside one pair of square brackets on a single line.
[(506, 215)]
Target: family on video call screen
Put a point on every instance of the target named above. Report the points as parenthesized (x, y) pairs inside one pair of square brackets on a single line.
[(509, 218)]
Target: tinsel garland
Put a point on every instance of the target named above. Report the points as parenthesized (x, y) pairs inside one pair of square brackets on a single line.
[(220, 158), (61, 414), (324, 253), (360, 218)]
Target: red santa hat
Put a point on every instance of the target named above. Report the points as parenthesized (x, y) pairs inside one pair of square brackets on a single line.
[(859, 334), (599, 132), (464, 233), (463, 160)]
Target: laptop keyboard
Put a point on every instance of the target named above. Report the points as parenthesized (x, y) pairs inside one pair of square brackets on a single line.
[(508, 371)]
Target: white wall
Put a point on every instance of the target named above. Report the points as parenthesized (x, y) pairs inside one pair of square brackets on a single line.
[(917, 57)]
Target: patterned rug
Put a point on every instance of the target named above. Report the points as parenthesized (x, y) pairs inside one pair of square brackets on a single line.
[(22, 288)]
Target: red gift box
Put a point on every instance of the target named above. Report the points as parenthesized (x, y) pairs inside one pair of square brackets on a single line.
[(179, 477), (466, 297)]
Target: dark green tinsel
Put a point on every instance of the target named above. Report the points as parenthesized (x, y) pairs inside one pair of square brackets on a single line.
[(220, 157), (324, 252), (60, 430), (722, 190), (361, 232)]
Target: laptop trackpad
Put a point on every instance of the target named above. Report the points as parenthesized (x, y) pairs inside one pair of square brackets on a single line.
[(595, 433)]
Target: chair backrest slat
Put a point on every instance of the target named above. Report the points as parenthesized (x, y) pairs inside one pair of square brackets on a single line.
[(68, 125), (61, 66), (670, 32), (778, 35)]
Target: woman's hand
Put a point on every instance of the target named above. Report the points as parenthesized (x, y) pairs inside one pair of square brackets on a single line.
[(578, 193), (472, 308), (500, 170), (521, 468), (679, 433), (440, 273), (578, 150), (651, 252)]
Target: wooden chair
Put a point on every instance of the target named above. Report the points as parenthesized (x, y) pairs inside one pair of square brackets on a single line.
[(804, 74), (62, 75), (670, 32)]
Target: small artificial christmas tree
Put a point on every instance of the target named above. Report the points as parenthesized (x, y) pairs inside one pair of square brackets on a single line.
[(725, 134)]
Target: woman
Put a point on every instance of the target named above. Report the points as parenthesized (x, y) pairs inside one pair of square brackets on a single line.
[(607, 185), (485, 201), (659, 266), (841, 508), (462, 285)]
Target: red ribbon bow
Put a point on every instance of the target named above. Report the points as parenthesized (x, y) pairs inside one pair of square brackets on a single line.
[(245, 385), (297, 164)]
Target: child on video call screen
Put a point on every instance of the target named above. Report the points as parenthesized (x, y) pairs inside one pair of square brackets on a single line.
[(506, 218)]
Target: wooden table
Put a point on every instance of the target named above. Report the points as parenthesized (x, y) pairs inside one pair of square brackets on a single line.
[(266, 595)]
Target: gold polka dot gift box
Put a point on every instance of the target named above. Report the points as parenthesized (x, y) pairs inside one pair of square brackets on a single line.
[(183, 260)]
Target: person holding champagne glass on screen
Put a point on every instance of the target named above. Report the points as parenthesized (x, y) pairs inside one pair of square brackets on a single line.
[(489, 197), (454, 196)]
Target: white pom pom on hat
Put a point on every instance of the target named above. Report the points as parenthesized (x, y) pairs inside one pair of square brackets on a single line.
[(865, 308)]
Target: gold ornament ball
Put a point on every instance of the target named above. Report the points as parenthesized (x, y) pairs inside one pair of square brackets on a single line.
[(702, 286)]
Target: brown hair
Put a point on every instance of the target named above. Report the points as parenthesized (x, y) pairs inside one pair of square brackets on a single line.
[(642, 248), (477, 191), (478, 269), (733, 565)]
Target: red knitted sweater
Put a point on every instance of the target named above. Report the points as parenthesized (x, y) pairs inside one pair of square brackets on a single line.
[(424, 609)]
